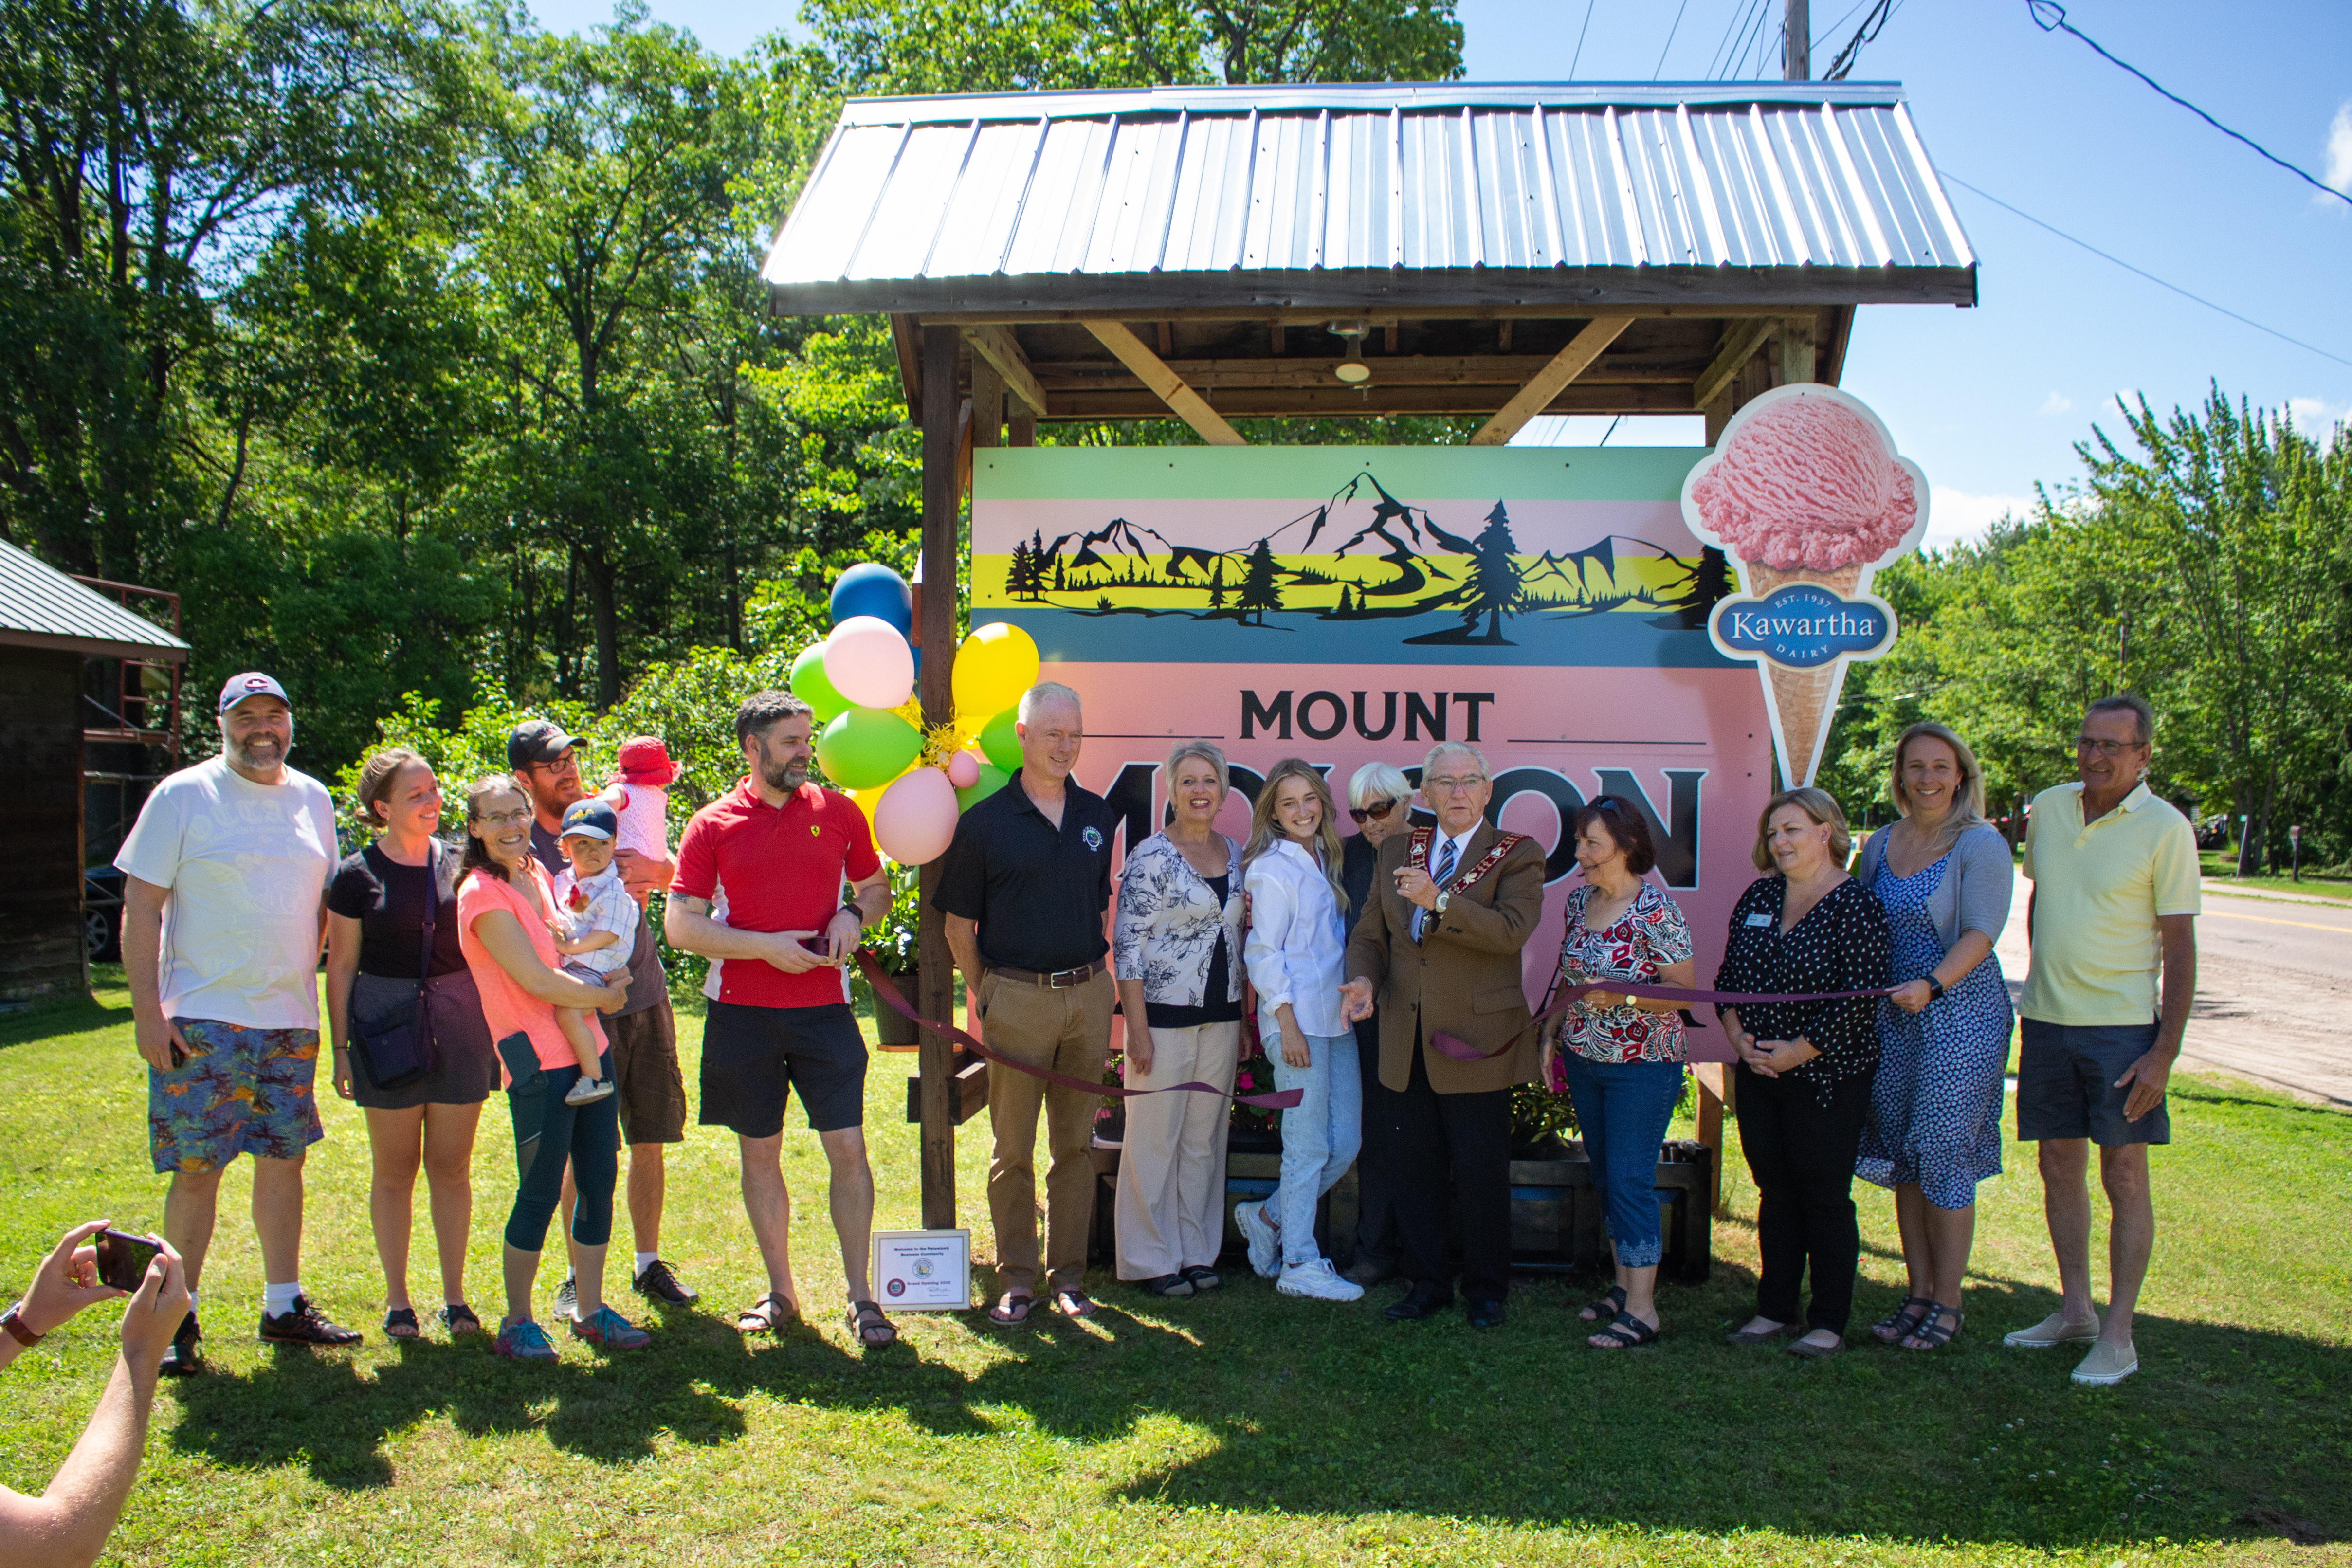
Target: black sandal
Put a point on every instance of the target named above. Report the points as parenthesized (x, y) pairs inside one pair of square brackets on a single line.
[(1903, 1322), (459, 1319), (1203, 1277), (1605, 1308), (1929, 1331), (767, 1315), (1169, 1285), (865, 1321), (1627, 1332), (399, 1323)]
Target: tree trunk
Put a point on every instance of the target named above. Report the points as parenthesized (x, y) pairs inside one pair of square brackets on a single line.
[(598, 570)]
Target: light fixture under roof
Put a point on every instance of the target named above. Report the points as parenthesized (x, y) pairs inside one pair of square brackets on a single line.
[(1352, 369)]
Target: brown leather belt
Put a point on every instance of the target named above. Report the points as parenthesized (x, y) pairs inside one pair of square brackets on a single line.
[(1060, 980)]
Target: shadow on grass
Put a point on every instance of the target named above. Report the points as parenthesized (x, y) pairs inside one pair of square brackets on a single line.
[(54, 1016)]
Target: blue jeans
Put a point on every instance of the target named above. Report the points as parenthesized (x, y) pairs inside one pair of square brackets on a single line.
[(1622, 1109), (1320, 1134)]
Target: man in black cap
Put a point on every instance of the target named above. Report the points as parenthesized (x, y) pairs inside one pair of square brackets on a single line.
[(643, 1035)]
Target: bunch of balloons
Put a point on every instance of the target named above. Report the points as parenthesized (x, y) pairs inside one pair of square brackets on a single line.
[(910, 783)]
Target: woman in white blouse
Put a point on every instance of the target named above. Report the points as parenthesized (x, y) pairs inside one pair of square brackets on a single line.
[(1296, 955)]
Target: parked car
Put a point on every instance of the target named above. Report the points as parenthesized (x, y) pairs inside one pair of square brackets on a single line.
[(102, 913)]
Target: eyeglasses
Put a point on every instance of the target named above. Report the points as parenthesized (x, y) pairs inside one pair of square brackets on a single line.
[(504, 818), (1376, 812), (1473, 782), (2105, 748)]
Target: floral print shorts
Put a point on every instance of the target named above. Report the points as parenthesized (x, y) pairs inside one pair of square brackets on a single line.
[(241, 1091)]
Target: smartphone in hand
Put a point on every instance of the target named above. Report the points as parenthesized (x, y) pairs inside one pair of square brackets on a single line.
[(123, 1258)]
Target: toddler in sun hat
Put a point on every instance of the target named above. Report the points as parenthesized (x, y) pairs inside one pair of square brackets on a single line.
[(639, 796), (594, 924)]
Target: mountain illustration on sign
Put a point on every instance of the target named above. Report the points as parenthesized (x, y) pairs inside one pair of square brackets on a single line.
[(1399, 562)]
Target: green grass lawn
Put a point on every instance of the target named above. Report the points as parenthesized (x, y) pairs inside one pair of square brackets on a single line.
[(2223, 864), (1241, 1427)]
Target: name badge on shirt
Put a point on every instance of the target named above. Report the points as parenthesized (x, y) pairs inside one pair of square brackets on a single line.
[(1760, 919)]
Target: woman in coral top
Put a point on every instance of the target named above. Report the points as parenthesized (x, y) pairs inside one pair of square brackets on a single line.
[(503, 905)]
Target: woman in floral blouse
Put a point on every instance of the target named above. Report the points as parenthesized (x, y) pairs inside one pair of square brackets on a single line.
[(1623, 1056), (1176, 940)]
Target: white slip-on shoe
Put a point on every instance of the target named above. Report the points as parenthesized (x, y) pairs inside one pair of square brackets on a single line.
[(2054, 1330), (2107, 1365), (1317, 1282), (1264, 1240)]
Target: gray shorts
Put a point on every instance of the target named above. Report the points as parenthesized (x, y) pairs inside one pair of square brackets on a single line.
[(578, 969), (2066, 1084)]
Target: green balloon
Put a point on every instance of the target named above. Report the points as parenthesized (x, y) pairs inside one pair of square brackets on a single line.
[(999, 744), (992, 779), (866, 747), (808, 683)]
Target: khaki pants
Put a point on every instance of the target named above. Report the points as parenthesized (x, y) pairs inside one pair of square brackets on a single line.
[(1171, 1175), (1068, 1031)]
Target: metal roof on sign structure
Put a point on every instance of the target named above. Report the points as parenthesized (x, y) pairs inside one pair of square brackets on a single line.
[(1373, 199), (42, 607)]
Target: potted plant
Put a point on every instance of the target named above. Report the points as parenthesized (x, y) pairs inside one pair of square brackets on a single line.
[(894, 945)]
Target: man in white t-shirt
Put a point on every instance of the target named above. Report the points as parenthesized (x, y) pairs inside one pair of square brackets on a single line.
[(225, 877)]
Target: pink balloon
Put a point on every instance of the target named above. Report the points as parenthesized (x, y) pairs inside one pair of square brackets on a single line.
[(869, 663), (916, 817), (963, 769)]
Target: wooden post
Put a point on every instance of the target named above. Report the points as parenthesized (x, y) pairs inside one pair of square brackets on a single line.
[(1798, 56), (1797, 355), (987, 404), (942, 502)]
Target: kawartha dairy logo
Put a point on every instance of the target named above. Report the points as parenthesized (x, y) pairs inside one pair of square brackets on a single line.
[(1807, 496)]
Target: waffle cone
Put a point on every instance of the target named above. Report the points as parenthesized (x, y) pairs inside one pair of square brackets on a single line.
[(1804, 699)]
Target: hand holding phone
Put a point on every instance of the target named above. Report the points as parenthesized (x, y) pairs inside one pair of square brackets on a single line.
[(123, 1257)]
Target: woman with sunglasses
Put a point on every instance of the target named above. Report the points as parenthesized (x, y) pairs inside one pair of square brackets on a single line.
[(1377, 799), (1621, 1057)]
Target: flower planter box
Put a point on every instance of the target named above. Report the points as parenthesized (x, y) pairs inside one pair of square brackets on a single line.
[(892, 1032), (1555, 1213)]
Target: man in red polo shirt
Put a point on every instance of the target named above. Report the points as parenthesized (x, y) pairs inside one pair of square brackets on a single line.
[(759, 892)]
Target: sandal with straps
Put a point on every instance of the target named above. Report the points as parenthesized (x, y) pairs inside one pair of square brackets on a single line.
[(770, 1312), (1930, 1334), (866, 1322), (1604, 1308), (1903, 1322), (1624, 1332), (399, 1323)]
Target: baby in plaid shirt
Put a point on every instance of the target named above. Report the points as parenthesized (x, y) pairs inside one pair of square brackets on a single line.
[(595, 926)]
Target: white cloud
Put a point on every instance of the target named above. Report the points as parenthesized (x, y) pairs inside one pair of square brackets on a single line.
[(2339, 153), (2316, 416), (2057, 403), (1955, 517)]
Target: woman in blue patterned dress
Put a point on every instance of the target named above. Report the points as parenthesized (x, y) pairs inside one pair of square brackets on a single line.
[(1943, 876)]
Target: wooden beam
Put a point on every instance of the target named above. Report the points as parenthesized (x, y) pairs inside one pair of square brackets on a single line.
[(1738, 344), (997, 345), (1547, 383), (937, 607), (987, 404), (1796, 349), (1500, 371), (1503, 336), (1023, 428), (1165, 384), (1276, 338), (1166, 338), (1336, 401), (905, 337)]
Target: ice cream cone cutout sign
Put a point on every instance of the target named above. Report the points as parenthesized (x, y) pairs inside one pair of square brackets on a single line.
[(1806, 495)]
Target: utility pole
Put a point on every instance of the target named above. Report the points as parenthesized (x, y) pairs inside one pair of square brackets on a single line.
[(1796, 54)]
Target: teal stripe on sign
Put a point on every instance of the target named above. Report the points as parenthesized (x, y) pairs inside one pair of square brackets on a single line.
[(1616, 641), (1420, 474)]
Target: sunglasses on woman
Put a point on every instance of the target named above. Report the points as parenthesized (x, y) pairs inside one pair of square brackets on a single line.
[(1376, 812)]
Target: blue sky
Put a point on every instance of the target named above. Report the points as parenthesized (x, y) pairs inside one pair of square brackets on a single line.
[(1991, 401)]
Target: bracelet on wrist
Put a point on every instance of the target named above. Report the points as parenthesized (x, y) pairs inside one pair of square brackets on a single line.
[(12, 1322)]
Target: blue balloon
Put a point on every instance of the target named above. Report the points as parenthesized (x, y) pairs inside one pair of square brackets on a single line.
[(870, 588)]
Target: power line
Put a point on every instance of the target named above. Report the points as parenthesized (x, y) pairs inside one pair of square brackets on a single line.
[(2142, 271), (1873, 23), (1589, 4), (2056, 22), (1670, 37)]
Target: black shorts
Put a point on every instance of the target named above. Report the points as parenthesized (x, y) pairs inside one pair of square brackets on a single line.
[(751, 1056)]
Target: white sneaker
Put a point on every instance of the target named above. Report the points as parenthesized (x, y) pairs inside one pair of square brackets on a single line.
[(587, 1090), (2051, 1330), (1264, 1240), (2107, 1365), (1317, 1282)]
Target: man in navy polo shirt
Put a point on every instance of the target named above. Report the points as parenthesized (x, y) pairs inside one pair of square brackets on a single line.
[(759, 892), (1024, 886)]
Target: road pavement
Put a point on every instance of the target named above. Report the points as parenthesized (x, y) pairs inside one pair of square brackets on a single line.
[(2274, 989)]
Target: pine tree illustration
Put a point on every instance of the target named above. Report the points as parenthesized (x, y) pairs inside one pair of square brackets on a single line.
[(1020, 575), (1057, 573), (1217, 586), (1258, 590), (1494, 581)]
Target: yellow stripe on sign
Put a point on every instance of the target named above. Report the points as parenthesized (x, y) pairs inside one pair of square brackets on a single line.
[(2271, 920)]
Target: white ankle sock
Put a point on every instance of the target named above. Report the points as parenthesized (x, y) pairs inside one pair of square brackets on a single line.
[(279, 1300), (643, 1259), (192, 1303)]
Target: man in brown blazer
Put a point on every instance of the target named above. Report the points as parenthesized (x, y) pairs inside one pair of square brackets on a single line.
[(1438, 947)]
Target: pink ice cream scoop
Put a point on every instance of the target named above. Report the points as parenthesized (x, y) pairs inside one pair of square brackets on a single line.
[(1807, 483)]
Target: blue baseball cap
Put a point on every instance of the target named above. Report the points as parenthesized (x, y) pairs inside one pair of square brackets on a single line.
[(589, 818), (252, 683)]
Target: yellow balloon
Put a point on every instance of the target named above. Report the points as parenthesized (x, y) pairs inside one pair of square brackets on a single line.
[(868, 799), (995, 665)]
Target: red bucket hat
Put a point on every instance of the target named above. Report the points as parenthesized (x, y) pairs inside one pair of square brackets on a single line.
[(646, 761)]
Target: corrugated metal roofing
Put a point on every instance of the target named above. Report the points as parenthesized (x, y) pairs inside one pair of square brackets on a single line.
[(39, 603), (923, 203)]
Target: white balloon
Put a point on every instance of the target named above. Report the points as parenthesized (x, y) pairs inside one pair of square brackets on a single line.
[(869, 662)]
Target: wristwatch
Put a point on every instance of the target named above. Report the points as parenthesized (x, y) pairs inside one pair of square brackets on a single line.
[(1443, 899), (13, 1320), (1935, 989)]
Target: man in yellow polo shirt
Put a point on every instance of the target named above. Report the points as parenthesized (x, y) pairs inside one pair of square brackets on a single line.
[(2115, 903)]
